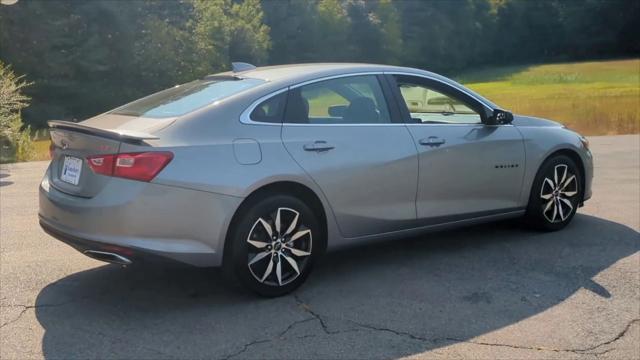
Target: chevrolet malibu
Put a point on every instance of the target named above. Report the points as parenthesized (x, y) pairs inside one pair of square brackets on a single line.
[(261, 170)]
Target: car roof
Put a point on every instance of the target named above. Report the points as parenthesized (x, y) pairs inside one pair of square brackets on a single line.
[(279, 76), (301, 72)]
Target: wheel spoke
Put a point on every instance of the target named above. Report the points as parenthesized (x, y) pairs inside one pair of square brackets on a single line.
[(564, 173), (568, 193), (548, 206), (293, 224), (568, 203), (566, 183), (292, 262), (266, 226), (278, 219), (560, 210), (259, 257), (555, 211), (297, 252), (298, 235), (268, 271), (279, 270), (546, 196), (547, 181), (258, 244)]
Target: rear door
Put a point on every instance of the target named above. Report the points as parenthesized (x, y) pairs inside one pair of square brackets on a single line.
[(344, 134), (467, 168)]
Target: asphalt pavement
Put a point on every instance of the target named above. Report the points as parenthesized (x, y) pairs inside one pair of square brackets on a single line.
[(490, 291)]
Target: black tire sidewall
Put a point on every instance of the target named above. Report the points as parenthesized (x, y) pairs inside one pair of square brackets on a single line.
[(235, 257), (534, 214)]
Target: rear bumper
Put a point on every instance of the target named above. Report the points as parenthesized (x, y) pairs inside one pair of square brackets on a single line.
[(141, 220), (86, 246)]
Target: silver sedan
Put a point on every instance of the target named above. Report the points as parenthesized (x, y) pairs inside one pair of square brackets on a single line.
[(261, 170)]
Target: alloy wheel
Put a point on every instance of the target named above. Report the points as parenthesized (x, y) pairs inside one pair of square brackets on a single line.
[(279, 247), (557, 192)]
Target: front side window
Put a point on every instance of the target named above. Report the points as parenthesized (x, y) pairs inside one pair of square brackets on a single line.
[(348, 100), (185, 98), (429, 106)]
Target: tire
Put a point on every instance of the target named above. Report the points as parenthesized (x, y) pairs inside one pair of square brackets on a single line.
[(555, 195), (273, 265)]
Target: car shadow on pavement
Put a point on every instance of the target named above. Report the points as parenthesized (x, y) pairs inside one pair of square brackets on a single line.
[(383, 300), (5, 182)]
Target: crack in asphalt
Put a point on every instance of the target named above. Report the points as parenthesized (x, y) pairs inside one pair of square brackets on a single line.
[(306, 308), (396, 332), (245, 347), (588, 350), (283, 333), (314, 316), (27, 307), (323, 325)]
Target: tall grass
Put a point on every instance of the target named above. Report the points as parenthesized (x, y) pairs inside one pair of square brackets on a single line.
[(593, 98)]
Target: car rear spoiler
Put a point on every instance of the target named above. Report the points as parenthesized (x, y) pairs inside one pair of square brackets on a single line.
[(115, 134)]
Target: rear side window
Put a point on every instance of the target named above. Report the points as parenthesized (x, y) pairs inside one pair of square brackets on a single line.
[(270, 110), (183, 99), (348, 100)]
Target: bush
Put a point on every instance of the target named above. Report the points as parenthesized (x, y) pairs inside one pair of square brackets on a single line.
[(15, 139)]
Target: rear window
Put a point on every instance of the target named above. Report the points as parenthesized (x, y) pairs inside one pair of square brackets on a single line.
[(183, 99)]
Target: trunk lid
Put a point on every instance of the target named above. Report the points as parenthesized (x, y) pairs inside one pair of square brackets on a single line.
[(74, 142)]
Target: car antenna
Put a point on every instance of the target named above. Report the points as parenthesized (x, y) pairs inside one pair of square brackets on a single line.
[(241, 66)]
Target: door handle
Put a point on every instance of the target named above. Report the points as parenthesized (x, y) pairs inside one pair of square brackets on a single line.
[(432, 141), (319, 145)]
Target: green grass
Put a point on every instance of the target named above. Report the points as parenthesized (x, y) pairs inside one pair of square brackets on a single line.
[(41, 149), (593, 98)]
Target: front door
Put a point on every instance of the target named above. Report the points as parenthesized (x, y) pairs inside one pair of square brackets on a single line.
[(467, 168), (343, 134)]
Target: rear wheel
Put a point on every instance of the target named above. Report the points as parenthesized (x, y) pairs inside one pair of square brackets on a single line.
[(555, 194), (273, 245)]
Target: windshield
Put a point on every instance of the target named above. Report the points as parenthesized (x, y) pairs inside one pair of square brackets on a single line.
[(185, 98)]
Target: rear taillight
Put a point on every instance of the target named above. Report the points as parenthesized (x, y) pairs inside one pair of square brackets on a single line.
[(136, 166), (52, 150), (102, 164)]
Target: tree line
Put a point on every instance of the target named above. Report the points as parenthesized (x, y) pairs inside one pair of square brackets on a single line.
[(85, 57)]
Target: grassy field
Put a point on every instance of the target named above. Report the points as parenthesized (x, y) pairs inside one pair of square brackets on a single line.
[(593, 98)]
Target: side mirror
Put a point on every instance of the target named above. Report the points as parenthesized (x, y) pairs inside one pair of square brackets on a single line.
[(500, 117)]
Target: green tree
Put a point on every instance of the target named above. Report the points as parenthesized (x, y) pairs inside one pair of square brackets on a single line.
[(15, 142), (293, 30), (332, 29), (85, 57), (388, 19), (225, 31), (164, 50)]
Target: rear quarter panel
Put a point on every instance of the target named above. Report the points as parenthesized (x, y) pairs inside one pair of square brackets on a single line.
[(205, 160)]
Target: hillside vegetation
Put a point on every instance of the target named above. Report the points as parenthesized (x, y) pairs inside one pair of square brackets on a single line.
[(594, 98)]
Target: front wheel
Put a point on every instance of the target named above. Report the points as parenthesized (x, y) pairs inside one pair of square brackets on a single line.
[(273, 245), (555, 194)]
